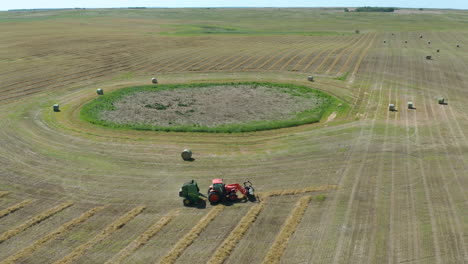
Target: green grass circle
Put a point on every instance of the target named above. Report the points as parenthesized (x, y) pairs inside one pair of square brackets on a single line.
[(91, 111)]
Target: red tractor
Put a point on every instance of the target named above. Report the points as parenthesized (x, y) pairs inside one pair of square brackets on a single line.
[(220, 192)]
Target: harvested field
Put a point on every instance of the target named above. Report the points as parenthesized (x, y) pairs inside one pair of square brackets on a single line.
[(386, 187)]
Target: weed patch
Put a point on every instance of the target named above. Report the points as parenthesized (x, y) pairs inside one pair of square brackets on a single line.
[(215, 107)]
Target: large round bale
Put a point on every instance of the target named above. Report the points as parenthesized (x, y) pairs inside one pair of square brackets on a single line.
[(442, 100), (458, 45), (310, 78), (384, 41), (186, 155), (406, 41), (100, 91), (428, 57), (438, 50), (154, 80), (391, 107), (420, 36), (56, 108), (429, 42), (410, 105)]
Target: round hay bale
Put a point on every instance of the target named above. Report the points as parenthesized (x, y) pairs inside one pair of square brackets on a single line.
[(391, 107), (442, 100), (100, 91), (154, 80), (186, 155), (420, 36), (410, 105), (56, 108), (406, 41), (310, 78), (384, 41), (458, 45), (428, 57), (429, 42), (438, 50)]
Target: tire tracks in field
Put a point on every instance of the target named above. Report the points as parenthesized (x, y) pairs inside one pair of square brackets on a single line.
[(456, 227), (331, 211)]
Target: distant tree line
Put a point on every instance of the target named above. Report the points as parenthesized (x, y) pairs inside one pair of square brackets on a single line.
[(375, 9)]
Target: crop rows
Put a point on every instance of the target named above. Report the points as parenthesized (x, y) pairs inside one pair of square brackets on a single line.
[(23, 253), (15, 207), (281, 241), (188, 239), (114, 226), (185, 61), (143, 238), (33, 221)]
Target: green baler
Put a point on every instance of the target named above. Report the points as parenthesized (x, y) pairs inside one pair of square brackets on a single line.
[(191, 193)]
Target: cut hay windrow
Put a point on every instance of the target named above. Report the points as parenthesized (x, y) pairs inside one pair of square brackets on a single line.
[(25, 252), (297, 191), (281, 241), (3, 194), (228, 245), (143, 238), (15, 207), (188, 239), (114, 226), (35, 220)]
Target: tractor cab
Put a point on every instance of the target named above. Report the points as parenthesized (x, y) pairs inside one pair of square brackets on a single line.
[(218, 186)]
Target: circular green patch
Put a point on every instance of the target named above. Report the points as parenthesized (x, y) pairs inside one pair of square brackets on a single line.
[(214, 107)]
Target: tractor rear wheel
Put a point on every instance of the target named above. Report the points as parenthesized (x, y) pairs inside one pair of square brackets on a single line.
[(187, 202), (214, 197)]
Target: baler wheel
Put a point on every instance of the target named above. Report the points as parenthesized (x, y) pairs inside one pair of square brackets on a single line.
[(187, 202)]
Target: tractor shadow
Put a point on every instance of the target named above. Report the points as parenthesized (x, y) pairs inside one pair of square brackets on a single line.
[(199, 205)]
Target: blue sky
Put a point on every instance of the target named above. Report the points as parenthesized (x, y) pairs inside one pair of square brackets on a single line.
[(30, 4)]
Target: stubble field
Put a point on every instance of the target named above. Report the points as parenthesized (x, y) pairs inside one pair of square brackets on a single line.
[(394, 182)]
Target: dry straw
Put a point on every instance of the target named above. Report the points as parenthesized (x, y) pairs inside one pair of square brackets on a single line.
[(35, 220), (298, 191), (3, 194), (224, 251), (279, 245), (188, 239), (143, 238), (117, 224), (14, 208), (25, 252)]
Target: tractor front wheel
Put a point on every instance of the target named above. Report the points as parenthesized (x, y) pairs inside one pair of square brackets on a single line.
[(233, 197), (214, 197)]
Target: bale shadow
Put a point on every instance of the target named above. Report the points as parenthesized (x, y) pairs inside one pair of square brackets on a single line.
[(189, 160)]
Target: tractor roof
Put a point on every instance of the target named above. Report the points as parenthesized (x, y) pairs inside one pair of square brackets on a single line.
[(217, 181)]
